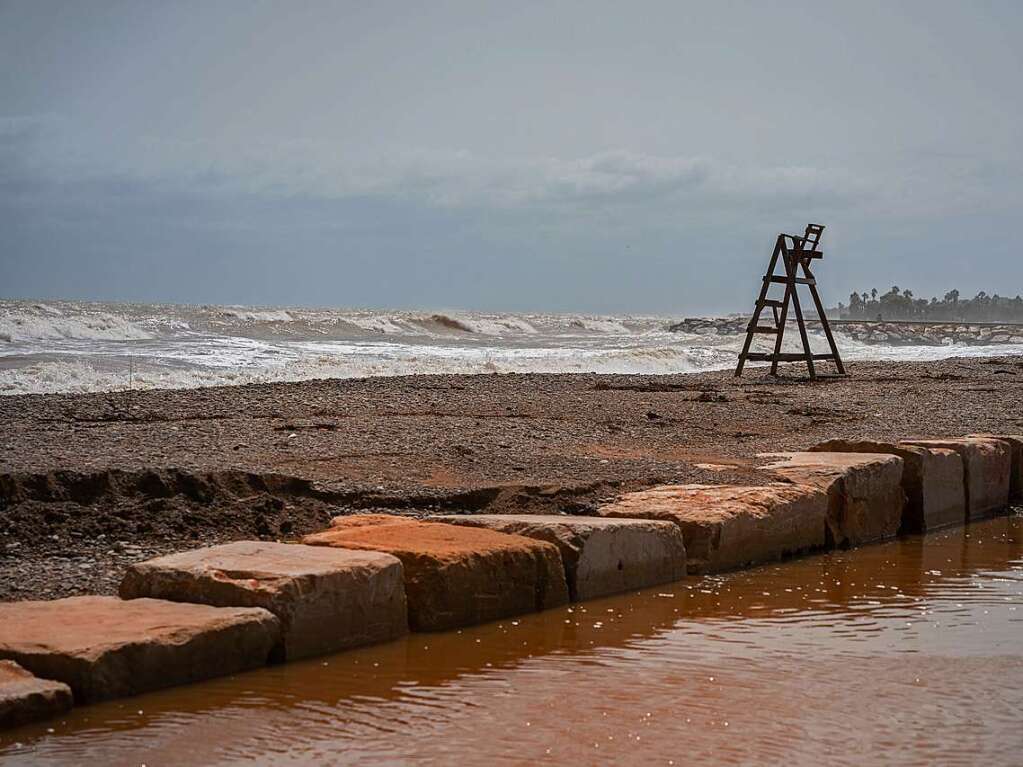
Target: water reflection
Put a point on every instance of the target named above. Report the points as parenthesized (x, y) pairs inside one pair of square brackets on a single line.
[(906, 652)]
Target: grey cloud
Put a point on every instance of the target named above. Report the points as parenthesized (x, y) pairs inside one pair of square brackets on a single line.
[(587, 155), (443, 178)]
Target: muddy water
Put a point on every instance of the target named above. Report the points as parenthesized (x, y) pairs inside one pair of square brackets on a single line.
[(909, 653)]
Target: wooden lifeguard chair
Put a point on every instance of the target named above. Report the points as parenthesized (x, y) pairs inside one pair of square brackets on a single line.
[(794, 257)]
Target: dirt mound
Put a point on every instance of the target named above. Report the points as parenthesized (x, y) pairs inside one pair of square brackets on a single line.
[(82, 528)]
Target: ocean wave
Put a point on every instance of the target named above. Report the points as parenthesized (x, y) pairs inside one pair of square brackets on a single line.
[(335, 323), (478, 324), (75, 347), (499, 326), (600, 325), (333, 361), (444, 322), (247, 315), (47, 309), (376, 323), (312, 361), (98, 326)]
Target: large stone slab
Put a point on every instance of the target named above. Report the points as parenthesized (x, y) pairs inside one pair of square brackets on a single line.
[(1015, 443), (987, 465), (104, 647), (326, 599), (932, 479), (730, 526), (601, 555), (865, 498), (26, 698), (457, 576)]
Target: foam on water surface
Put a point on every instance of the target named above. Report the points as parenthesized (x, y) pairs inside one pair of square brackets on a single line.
[(59, 346), (41, 325)]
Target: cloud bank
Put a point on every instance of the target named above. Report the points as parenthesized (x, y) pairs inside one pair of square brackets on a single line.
[(588, 157)]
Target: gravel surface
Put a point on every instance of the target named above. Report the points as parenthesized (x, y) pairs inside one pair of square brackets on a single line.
[(91, 482)]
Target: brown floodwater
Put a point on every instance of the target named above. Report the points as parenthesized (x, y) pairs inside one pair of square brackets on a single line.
[(909, 652)]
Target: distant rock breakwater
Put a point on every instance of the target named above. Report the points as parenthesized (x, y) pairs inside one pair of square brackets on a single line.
[(877, 332)]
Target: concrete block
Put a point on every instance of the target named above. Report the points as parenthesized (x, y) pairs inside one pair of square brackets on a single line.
[(601, 555), (457, 576), (1015, 443), (865, 498), (104, 647), (26, 698), (987, 465), (326, 599), (729, 526), (932, 479)]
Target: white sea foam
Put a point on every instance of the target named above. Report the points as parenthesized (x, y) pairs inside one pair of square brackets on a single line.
[(47, 309), (311, 361), (71, 347), (485, 325), (500, 326), (98, 326), (377, 323), (600, 325), (266, 315)]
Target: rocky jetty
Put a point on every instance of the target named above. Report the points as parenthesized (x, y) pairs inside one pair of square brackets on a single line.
[(709, 326), (894, 333), (945, 334)]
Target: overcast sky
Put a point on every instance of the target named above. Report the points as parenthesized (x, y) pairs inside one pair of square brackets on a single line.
[(554, 156)]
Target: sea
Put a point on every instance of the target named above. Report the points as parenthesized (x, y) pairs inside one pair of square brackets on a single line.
[(70, 346)]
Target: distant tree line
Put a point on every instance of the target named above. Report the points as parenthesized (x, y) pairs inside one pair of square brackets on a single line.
[(902, 305)]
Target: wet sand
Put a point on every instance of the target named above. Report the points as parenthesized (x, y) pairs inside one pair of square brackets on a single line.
[(91, 482), (907, 653)]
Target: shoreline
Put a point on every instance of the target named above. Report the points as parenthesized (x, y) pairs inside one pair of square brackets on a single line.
[(90, 483)]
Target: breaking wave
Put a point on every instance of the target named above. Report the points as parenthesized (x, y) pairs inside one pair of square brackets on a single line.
[(45, 324), (76, 347), (483, 325), (600, 325), (239, 313), (77, 375), (378, 324)]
